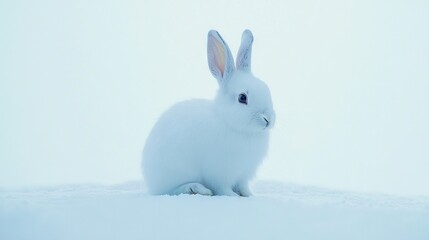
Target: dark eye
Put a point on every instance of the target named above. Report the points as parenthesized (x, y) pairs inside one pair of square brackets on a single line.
[(242, 98)]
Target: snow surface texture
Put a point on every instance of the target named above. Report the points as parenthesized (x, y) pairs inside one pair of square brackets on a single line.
[(277, 211)]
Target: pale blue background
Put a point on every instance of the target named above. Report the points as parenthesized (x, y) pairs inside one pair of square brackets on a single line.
[(82, 83)]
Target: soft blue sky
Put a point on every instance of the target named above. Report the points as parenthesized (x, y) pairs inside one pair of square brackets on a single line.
[(82, 83)]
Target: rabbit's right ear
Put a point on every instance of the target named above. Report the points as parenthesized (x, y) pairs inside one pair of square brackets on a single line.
[(219, 57), (244, 55)]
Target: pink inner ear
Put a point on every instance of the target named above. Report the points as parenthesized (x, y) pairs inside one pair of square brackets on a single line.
[(219, 53)]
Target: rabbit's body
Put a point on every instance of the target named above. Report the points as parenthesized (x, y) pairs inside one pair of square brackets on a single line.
[(213, 146), (219, 157)]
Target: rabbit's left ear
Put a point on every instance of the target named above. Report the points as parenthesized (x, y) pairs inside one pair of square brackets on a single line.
[(245, 52), (219, 57)]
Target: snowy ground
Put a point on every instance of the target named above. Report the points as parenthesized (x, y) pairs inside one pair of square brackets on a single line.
[(277, 211)]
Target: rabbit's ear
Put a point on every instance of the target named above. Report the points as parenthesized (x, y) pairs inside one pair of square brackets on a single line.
[(245, 53), (219, 56)]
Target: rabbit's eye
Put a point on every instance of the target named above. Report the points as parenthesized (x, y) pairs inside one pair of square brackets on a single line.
[(242, 98)]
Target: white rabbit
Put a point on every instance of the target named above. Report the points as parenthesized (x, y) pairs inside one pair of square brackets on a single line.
[(213, 147)]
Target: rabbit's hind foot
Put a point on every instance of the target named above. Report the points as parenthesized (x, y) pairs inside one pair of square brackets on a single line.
[(192, 188)]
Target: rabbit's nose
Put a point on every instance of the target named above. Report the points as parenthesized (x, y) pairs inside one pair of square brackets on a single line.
[(267, 123), (269, 117)]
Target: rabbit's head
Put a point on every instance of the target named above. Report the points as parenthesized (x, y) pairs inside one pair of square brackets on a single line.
[(243, 101)]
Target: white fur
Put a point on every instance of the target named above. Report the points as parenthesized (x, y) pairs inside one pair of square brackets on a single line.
[(213, 146)]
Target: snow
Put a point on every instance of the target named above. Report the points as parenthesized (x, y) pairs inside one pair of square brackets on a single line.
[(276, 211)]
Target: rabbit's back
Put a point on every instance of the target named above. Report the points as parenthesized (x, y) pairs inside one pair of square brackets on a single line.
[(170, 153)]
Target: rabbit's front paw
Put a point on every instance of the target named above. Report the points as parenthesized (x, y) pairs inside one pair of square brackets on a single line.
[(243, 190), (226, 192)]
